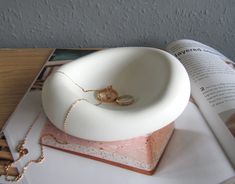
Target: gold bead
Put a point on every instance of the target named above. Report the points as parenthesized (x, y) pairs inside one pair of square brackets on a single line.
[(24, 152), (19, 147)]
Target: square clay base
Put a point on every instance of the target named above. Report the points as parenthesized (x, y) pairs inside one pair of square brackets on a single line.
[(140, 154)]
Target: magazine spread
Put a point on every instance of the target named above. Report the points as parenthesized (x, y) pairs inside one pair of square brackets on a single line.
[(212, 78), (193, 154)]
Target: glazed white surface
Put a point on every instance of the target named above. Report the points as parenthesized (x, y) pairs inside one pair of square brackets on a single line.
[(156, 79)]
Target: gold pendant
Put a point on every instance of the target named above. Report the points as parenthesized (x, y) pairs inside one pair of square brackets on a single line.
[(106, 95), (109, 95)]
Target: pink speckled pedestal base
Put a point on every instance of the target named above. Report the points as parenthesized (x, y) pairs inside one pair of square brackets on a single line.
[(140, 154)]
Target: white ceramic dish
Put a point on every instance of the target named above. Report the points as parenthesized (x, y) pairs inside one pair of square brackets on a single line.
[(157, 81)]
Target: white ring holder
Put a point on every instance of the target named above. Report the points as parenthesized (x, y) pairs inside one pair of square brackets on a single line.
[(155, 79)]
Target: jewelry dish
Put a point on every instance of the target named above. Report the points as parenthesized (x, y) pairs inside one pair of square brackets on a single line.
[(157, 81), (117, 106)]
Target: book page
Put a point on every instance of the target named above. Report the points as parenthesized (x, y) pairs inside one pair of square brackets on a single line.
[(212, 78)]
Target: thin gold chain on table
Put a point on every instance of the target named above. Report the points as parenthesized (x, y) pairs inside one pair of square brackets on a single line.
[(22, 152)]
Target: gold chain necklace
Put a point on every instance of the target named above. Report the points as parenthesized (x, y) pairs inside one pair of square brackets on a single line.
[(22, 150), (106, 95)]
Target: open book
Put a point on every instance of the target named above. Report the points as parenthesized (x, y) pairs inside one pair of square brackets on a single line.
[(212, 78), (202, 148)]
